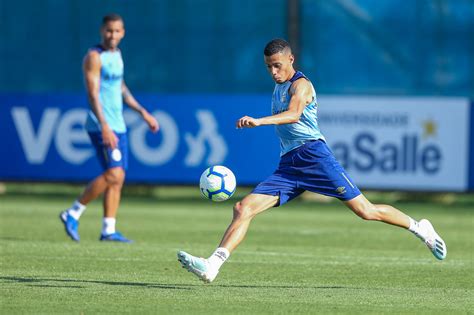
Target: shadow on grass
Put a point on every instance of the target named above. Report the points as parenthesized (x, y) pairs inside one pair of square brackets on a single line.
[(55, 286), (40, 282), (16, 239)]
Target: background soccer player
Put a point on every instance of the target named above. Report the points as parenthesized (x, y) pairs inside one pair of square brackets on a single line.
[(306, 164), (106, 89)]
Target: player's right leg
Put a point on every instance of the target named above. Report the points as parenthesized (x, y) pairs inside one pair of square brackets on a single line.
[(277, 189), (70, 217), (244, 212), (93, 190)]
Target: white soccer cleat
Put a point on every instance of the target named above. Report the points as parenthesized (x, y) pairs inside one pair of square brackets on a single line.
[(199, 266), (434, 242)]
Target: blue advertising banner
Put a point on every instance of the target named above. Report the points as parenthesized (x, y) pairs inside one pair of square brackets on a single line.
[(44, 139), (403, 143)]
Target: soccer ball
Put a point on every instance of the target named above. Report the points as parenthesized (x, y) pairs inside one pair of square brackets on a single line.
[(217, 183)]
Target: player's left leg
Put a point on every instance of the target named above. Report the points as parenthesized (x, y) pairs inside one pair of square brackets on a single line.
[(380, 212), (388, 214), (320, 172), (115, 178)]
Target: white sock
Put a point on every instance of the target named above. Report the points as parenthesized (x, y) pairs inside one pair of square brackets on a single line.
[(76, 210), (220, 255), (415, 229), (108, 226)]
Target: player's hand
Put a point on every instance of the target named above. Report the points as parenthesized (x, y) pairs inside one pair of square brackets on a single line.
[(247, 122), (108, 137), (151, 121)]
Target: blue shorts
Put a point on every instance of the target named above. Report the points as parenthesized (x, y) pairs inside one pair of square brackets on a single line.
[(109, 158), (311, 167)]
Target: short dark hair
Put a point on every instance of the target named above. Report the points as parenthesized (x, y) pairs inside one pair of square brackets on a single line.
[(276, 46), (112, 17)]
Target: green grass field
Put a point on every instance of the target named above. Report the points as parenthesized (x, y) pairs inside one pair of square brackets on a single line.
[(305, 257)]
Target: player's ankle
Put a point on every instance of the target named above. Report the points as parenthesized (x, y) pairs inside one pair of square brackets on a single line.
[(416, 229), (76, 210), (220, 255), (108, 225)]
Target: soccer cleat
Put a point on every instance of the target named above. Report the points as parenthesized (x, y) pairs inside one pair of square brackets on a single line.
[(70, 225), (199, 266), (434, 242), (115, 237)]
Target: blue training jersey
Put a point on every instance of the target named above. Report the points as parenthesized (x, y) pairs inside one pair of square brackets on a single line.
[(295, 134), (110, 92)]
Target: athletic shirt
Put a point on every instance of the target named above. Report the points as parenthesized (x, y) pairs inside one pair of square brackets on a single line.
[(110, 92), (295, 134)]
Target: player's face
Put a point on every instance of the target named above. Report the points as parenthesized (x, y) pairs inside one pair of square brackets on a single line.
[(280, 66), (112, 33)]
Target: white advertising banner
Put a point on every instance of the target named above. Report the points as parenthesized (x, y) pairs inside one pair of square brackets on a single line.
[(415, 143)]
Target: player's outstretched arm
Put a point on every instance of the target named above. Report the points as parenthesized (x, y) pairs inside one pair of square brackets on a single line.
[(91, 68), (133, 104), (301, 95)]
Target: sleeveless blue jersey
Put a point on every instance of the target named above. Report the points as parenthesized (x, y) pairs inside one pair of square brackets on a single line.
[(110, 92), (295, 134)]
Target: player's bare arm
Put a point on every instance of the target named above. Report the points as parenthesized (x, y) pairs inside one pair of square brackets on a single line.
[(133, 104), (301, 95), (91, 69)]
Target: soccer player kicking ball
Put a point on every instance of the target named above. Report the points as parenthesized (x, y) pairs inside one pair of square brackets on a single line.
[(306, 163)]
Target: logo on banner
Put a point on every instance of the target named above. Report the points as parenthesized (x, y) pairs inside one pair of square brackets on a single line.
[(63, 129), (404, 152), (208, 133), (73, 145), (367, 152)]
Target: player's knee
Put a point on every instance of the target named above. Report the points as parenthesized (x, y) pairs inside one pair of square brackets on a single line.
[(114, 177), (242, 211), (379, 212), (367, 211), (367, 215)]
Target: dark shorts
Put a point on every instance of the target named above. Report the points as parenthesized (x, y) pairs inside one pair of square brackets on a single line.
[(311, 167), (109, 158)]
